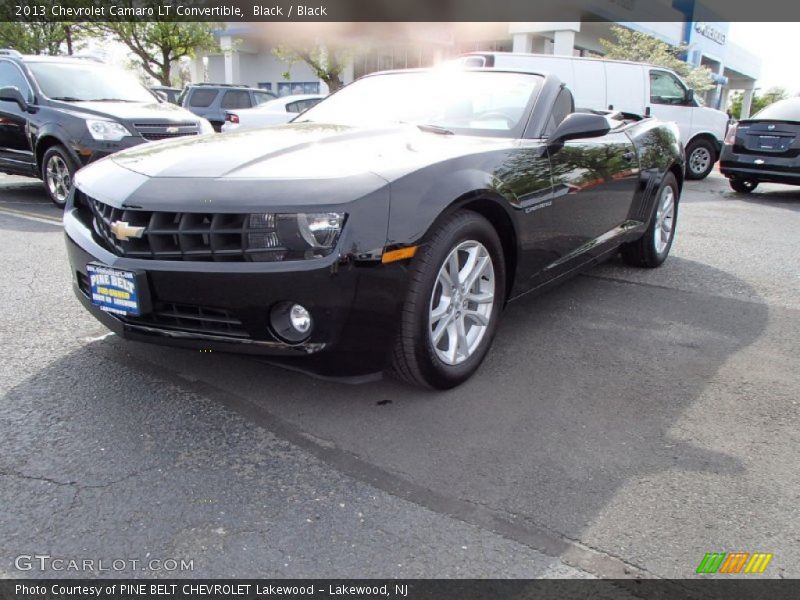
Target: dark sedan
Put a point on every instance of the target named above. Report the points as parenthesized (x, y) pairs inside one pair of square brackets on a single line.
[(764, 148), (387, 226)]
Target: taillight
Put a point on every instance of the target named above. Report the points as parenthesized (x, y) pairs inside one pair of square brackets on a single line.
[(232, 118), (730, 137)]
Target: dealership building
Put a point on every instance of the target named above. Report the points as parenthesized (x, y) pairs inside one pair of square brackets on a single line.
[(245, 54)]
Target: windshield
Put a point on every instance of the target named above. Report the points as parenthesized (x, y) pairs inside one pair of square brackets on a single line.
[(75, 82), (468, 102)]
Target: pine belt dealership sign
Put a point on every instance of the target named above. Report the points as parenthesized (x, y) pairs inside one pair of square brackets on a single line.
[(391, 10)]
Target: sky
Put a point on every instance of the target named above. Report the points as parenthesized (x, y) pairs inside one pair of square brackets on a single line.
[(776, 44)]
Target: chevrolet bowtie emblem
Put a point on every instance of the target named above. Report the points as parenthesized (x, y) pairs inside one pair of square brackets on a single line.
[(172, 130), (123, 232)]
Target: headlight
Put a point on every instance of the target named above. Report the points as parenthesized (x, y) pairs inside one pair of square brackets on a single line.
[(292, 236), (206, 126), (109, 131)]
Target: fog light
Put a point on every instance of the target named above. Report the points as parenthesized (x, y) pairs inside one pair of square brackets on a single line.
[(300, 319), (291, 322)]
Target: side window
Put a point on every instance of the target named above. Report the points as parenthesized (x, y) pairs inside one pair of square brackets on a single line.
[(665, 88), (236, 99), (202, 98), (563, 106), (262, 97), (10, 76), (299, 106)]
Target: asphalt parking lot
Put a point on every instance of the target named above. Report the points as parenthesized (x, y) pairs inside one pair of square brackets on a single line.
[(624, 424)]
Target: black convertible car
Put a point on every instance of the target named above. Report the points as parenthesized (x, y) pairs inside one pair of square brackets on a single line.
[(387, 226), (764, 148)]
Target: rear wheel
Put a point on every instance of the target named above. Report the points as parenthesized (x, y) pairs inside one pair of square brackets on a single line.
[(700, 159), (743, 186), (58, 169), (652, 249), (453, 306)]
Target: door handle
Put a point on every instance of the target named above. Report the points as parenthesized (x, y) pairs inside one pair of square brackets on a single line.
[(628, 156)]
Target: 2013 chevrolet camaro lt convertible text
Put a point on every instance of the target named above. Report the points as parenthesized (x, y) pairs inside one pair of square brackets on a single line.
[(385, 227)]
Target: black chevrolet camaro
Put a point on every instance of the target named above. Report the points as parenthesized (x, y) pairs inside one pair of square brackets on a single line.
[(386, 227)]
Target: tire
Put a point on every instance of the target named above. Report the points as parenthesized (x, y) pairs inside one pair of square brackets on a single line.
[(428, 310), (58, 171), (652, 249), (217, 125), (700, 158), (743, 186)]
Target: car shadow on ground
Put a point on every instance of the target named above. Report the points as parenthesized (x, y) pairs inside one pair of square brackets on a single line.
[(584, 393)]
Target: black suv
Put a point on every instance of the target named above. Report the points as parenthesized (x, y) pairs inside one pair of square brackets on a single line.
[(213, 100), (58, 114)]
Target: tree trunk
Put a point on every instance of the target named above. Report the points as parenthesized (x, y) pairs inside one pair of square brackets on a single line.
[(68, 36), (166, 68), (333, 81)]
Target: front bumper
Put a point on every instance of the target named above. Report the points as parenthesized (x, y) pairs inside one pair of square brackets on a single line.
[(354, 306)]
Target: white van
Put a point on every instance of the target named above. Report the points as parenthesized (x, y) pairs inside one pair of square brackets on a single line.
[(638, 88)]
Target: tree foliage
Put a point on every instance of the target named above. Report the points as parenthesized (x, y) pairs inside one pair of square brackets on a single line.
[(758, 102), (157, 45), (29, 37), (327, 62), (641, 47)]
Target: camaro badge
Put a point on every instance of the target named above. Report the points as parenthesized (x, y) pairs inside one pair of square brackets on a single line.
[(123, 232), (758, 161), (770, 127), (172, 130)]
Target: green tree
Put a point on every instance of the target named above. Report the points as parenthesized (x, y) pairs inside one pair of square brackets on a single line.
[(641, 47), (758, 102), (30, 37), (157, 45), (327, 62)]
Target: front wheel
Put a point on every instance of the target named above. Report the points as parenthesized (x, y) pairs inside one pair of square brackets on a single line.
[(58, 169), (743, 186), (652, 249), (455, 296), (700, 158)]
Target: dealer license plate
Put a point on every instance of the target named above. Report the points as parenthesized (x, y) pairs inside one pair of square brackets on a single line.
[(113, 290)]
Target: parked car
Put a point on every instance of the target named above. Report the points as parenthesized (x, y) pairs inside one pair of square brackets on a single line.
[(58, 114), (274, 112), (765, 147), (630, 87), (170, 94), (212, 100), (389, 225)]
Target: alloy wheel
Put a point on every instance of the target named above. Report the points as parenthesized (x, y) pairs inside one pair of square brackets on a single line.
[(58, 178), (461, 303), (665, 219)]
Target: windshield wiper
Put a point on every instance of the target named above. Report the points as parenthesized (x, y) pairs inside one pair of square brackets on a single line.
[(434, 129), (109, 100), (66, 99)]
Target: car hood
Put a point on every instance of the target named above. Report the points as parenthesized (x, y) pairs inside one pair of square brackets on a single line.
[(130, 111), (301, 151)]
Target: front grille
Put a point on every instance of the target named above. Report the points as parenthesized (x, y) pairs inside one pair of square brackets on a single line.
[(191, 319), (181, 317), (163, 131), (217, 237)]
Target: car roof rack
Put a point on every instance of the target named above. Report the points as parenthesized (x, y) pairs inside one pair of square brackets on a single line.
[(10, 52)]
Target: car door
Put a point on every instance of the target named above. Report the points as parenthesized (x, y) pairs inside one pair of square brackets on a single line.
[(16, 152), (573, 195), (669, 102)]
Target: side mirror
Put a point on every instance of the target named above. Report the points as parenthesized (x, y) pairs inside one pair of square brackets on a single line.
[(161, 95), (12, 94), (580, 125), (690, 96)]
